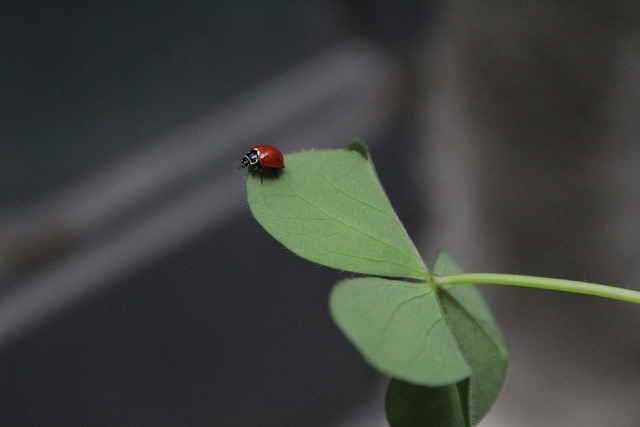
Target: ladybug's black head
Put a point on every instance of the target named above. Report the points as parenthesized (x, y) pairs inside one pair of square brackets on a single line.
[(251, 158)]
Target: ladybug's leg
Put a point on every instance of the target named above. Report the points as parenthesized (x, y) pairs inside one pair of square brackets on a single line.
[(260, 170), (256, 168)]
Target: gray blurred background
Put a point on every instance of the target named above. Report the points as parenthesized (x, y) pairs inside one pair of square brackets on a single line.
[(136, 289)]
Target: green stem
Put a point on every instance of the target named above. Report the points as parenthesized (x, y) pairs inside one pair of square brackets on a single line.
[(541, 283)]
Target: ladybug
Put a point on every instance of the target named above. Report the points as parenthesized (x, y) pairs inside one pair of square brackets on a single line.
[(263, 157)]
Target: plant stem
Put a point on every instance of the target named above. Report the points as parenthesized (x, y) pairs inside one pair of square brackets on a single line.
[(541, 283)]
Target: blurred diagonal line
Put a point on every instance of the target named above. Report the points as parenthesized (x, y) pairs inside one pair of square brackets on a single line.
[(96, 264)]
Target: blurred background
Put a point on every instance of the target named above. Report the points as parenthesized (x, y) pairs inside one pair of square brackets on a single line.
[(135, 288)]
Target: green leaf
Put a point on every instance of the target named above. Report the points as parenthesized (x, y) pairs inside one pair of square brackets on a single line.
[(484, 350), (412, 405), (328, 206), (400, 329), (479, 339), (440, 344), (471, 299)]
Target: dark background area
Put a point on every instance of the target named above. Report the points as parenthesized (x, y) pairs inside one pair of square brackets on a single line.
[(83, 83)]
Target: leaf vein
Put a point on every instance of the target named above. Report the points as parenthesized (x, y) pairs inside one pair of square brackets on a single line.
[(364, 233)]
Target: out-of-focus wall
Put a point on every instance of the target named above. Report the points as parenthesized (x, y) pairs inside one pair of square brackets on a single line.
[(531, 129)]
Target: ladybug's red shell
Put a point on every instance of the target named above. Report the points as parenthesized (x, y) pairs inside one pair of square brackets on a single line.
[(269, 156)]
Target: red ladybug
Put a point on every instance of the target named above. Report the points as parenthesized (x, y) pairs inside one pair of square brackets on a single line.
[(263, 157)]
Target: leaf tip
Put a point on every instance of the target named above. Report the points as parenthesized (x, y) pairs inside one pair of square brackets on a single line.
[(360, 148)]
